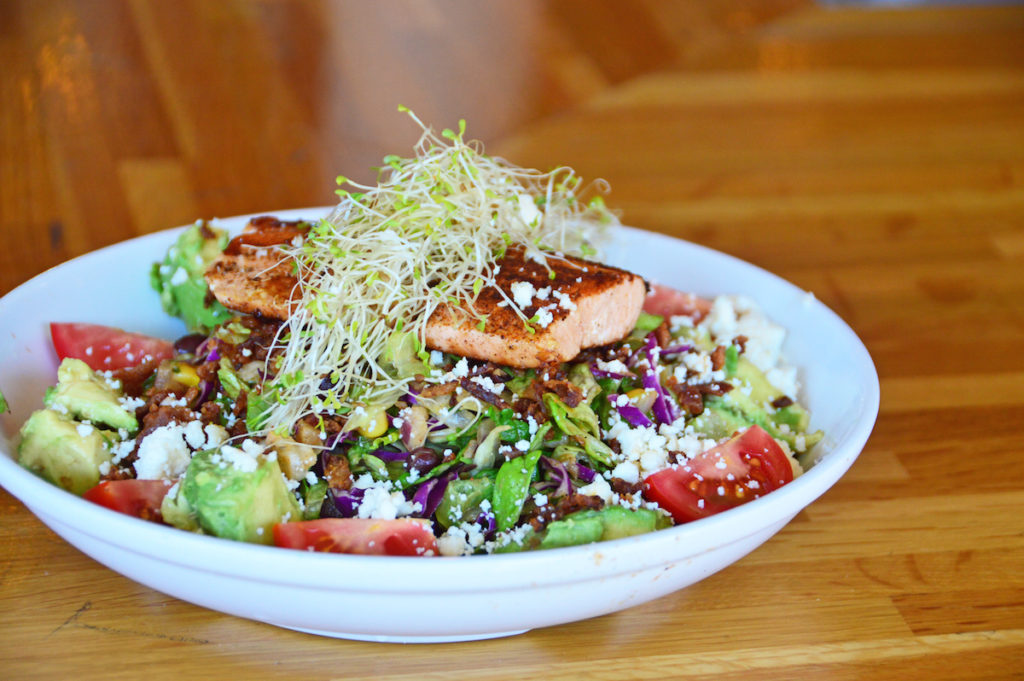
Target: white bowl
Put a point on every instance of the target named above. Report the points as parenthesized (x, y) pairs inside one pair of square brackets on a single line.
[(417, 599)]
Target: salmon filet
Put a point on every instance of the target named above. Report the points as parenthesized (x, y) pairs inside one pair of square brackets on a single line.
[(571, 304), (584, 305)]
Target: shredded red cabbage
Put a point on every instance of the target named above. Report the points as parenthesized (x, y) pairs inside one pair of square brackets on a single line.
[(205, 390), (676, 349), (487, 523), (560, 484), (662, 408), (345, 502), (633, 416), (430, 494), (601, 373), (584, 473), (390, 455)]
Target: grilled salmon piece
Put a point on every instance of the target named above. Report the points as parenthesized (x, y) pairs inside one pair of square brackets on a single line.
[(250, 277), (582, 305)]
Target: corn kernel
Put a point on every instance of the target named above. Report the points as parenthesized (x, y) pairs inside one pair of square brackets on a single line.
[(185, 374), (375, 426)]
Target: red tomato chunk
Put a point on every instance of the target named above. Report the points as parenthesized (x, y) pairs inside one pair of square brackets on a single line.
[(737, 471), (105, 347), (401, 537), (139, 498)]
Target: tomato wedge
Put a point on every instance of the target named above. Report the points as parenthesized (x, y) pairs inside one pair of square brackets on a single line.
[(669, 302), (739, 470), (140, 498), (105, 347), (401, 537)]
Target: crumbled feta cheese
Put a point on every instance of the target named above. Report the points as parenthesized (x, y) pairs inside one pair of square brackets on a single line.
[(194, 435), (564, 301), (628, 471), (241, 459), (487, 383), (453, 542), (180, 277), (598, 488), (215, 436), (84, 429), (616, 366), (461, 369), (163, 454), (522, 293), (131, 403), (544, 316)]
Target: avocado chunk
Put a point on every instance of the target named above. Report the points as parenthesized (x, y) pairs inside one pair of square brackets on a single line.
[(176, 511), (66, 453), (235, 495), (85, 395), (611, 522), (718, 421), (180, 280), (752, 403), (462, 500)]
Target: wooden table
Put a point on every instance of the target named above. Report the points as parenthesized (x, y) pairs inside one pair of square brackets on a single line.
[(873, 157)]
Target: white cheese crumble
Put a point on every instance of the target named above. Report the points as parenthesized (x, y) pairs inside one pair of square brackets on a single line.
[(564, 301), (544, 316), (180, 277), (522, 293), (163, 454)]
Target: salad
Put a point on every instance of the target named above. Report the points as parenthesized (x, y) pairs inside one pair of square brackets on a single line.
[(440, 367)]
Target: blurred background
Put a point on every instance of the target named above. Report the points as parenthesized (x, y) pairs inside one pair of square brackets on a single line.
[(711, 120)]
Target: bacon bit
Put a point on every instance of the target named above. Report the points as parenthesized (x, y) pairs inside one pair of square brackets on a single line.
[(691, 397), (662, 335), (564, 390), (741, 342), (782, 402), (133, 378), (209, 412), (482, 393), (526, 407), (620, 486), (439, 389), (718, 358), (337, 472), (565, 506)]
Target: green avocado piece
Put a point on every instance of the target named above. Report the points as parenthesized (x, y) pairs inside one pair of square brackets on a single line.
[(610, 522), (176, 511), (236, 496), (572, 531), (180, 280), (717, 421), (85, 395), (751, 403), (462, 500), (66, 453)]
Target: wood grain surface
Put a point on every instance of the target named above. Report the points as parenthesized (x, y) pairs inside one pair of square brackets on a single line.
[(873, 157)]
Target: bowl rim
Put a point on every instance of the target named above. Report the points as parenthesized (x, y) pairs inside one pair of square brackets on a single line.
[(390, 574)]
